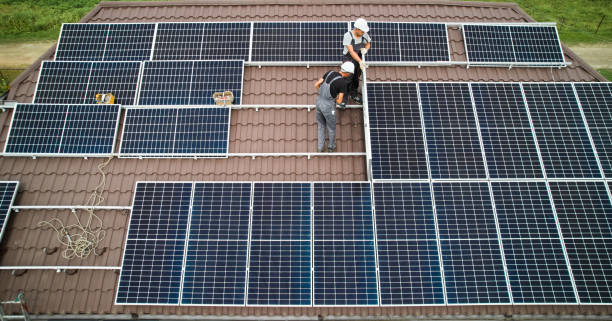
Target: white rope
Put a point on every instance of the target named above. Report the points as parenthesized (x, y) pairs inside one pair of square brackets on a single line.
[(81, 240)]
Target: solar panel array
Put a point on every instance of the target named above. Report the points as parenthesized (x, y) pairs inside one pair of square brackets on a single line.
[(512, 44), (8, 192), (175, 131), (43, 129), (529, 226)]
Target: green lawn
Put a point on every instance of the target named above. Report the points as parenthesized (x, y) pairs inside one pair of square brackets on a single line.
[(6, 76), (606, 73), (28, 20)]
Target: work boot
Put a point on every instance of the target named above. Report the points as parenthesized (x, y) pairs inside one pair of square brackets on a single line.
[(357, 99), (331, 150)]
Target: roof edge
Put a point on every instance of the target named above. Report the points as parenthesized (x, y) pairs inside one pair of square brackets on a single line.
[(108, 4)]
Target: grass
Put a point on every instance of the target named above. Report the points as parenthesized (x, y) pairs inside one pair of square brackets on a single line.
[(6, 76), (32, 20), (606, 73)]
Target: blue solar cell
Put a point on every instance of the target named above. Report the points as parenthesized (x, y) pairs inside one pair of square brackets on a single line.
[(560, 131), (537, 271), (151, 272), (423, 42), (148, 131), (160, 211), (386, 36), (322, 41), (344, 273), (215, 272), (8, 191), (536, 44), (281, 211), (454, 153), (488, 43), (398, 154), (279, 273), (409, 272), (344, 257), (404, 211), (464, 211), (62, 82), (393, 105), (176, 131), (189, 82), (524, 210), (596, 101), (36, 128), (129, 42), (474, 272), (343, 211), (105, 42), (90, 129), (584, 209), (500, 105), (276, 41), (567, 153), (202, 131), (83, 42), (226, 41), (210, 77), (447, 105), (217, 204), (118, 78), (591, 261), (178, 41), (279, 270), (65, 129)]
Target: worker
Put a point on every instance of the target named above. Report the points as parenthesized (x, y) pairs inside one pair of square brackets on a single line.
[(333, 87), (356, 44)]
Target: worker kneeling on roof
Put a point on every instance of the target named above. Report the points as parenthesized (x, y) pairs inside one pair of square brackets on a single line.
[(333, 87), (356, 43)]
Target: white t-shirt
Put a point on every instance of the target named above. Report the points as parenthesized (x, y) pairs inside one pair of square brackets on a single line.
[(348, 37)]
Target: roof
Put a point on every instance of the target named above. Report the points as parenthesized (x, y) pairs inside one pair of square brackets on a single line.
[(70, 181)]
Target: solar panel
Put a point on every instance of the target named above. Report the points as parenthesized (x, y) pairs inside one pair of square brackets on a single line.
[(189, 82), (63, 82), (8, 192), (536, 264), (215, 265), (471, 255), (409, 267), (503, 44), (585, 217), (38, 129), (398, 148), (344, 253), (560, 131), (153, 257), (280, 259), (202, 41), (276, 41), (538, 44), (386, 36), (450, 128), (423, 42), (488, 43), (175, 131), (322, 41), (596, 102), (82, 42), (105, 42), (506, 133)]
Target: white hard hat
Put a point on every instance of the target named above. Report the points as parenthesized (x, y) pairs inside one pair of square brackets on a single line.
[(348, 67), (362, 25)]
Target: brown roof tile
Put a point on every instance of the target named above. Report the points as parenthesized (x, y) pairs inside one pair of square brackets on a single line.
[(69, 181)]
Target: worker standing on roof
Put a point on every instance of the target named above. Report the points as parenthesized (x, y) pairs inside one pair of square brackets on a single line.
[(333, 87), (356, 44)]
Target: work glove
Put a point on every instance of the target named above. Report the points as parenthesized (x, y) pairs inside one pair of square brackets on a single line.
[(364, 51), (362, 65), (342, 106)]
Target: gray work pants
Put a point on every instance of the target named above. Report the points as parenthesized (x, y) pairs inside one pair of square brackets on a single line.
[(327, 120)]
